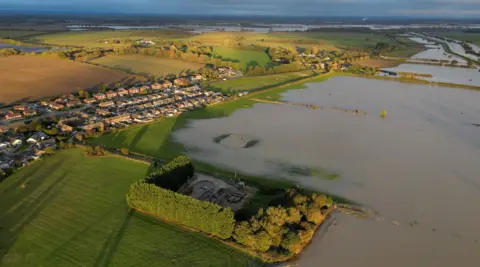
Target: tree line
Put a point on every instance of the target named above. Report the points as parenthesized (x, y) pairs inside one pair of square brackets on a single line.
[(146, 196), (172, 175)]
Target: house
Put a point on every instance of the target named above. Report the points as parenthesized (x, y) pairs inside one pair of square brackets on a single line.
[(48, 143), (30, 113), (106, 104), (156, 86), (182, 82), (90, 100), (166, 84), (111, 94), (133, 91), (3, 129), (57, 106), (13, 116), (122, 92), (100, 96), (46, 103), (4, 145), (16, 142), (117, 119), (20, 107), (74, 103), (102, 112), (37, 138)]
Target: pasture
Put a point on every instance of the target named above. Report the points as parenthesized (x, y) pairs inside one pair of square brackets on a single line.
[(70, 210), (245, 57), (249, 83), (147, 65), (34, 77)]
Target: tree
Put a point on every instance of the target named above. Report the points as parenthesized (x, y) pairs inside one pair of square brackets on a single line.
[(292, 242), (263, 241), (470, 63), (454, 62), (124, 151), (49, 150)]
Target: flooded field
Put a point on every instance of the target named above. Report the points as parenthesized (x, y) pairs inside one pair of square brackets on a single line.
[(418, 167), (436, 52), (442, 74), (25, 49)]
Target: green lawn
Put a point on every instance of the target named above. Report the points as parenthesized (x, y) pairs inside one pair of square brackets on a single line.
[(245, 57), (249, 83), (70, 210), (147, 65)]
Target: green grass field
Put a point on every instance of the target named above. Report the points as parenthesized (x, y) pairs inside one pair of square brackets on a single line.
[(70, 210), (98, 38), (249, 83), (462, 36), (245, 57), (147, 65)]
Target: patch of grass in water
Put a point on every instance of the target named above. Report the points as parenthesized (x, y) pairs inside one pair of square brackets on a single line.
[(313, 172), (220, 138), (251, 143)]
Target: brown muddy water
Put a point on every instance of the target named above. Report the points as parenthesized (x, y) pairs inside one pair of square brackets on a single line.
[(419, 168)]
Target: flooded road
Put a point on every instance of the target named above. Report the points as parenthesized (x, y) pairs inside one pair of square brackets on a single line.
[(442, 73), (419, 167)]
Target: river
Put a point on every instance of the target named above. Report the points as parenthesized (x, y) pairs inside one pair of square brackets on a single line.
[(418, 167)]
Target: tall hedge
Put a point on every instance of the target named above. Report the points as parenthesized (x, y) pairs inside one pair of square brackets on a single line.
[(200, 215), (173, 174)]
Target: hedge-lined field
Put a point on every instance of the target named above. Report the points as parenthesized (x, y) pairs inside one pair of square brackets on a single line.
[(70, 210)]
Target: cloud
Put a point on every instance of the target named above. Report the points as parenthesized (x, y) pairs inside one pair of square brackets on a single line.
[(261, 7)]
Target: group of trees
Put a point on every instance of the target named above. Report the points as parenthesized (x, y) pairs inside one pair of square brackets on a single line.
[(95, 151), (172, 175), (146, 196), (284, 229), (370, 71), (5, 52)]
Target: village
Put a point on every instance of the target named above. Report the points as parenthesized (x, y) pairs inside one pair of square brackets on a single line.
[(50, 124)]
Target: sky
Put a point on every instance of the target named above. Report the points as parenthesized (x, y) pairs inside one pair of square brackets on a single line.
[(415, 8)]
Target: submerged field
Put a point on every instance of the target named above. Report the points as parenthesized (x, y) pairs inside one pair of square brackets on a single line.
[(147, 65), (34, 77), (70, 210), (249, 83)]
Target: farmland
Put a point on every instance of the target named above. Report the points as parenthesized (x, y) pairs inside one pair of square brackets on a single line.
[(104, 38), (34, 77), (70, 210), (147, 65), (18, 34), (245, 57), (249, 83)]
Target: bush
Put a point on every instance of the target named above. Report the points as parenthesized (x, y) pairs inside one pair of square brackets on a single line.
[(124, 151)]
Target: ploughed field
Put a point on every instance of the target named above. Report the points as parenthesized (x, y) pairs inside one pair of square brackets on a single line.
[(35, 77), (70, 210), (147, 65)]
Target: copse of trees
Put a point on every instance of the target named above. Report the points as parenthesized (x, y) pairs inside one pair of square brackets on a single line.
[(285, 229), (173, 174)]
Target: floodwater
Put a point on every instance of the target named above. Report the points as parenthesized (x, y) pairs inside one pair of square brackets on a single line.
[(442, 73), (418, 167), (436, 52), (25, 49)]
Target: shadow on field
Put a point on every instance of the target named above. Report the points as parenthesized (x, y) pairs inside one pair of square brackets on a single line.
[(20, 206), (138, 137), (110, 246)]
